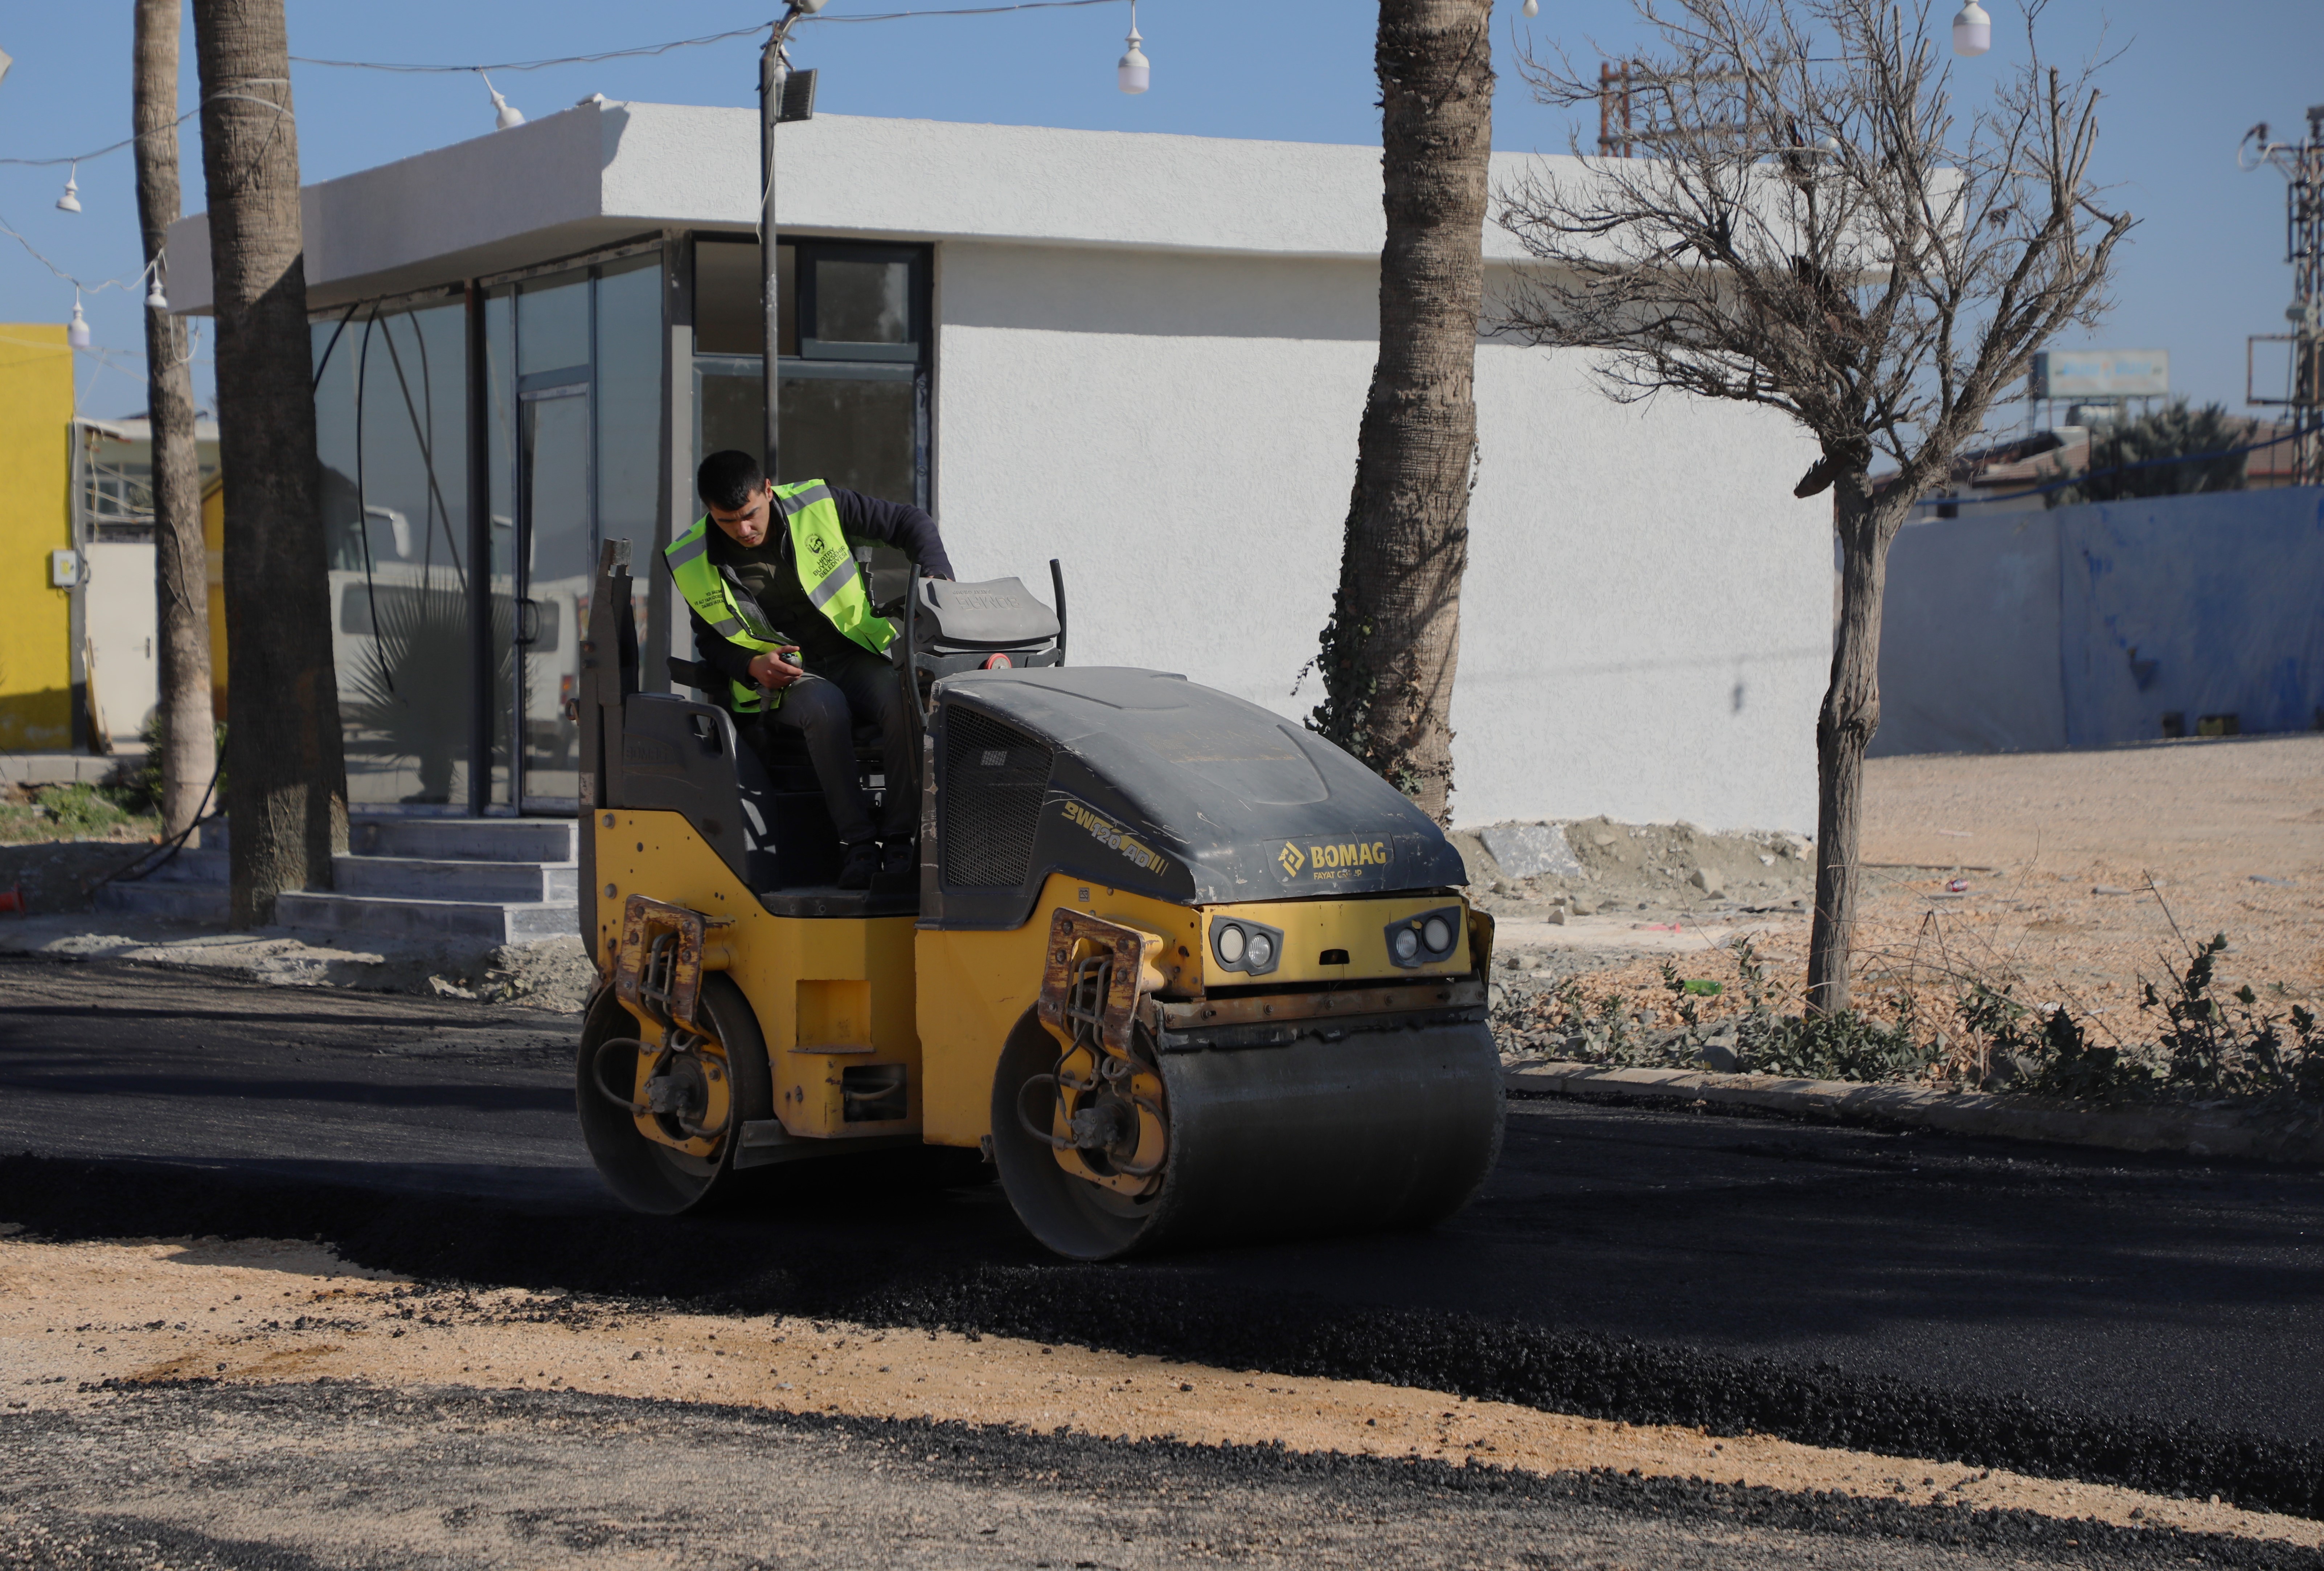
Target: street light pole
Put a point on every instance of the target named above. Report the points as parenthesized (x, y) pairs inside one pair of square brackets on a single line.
[(774, 79)]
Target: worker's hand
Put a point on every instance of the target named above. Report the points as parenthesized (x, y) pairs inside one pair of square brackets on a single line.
[(772, 671)]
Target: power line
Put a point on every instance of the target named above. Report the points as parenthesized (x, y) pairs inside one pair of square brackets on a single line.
[(644, 50), (533, 65), (639, 52), (965, 10)]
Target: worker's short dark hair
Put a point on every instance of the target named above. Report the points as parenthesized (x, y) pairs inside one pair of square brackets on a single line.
[(727, 479)]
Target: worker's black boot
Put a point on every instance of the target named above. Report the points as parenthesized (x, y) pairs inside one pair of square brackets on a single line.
[(860, 865), (899, 859)]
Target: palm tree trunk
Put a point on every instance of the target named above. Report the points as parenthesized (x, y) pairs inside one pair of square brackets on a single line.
[(1390, 650), (286, 772), (1844, 729), (181, 596)]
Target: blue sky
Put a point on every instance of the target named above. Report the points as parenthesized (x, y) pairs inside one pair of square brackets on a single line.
[(2204, 269)]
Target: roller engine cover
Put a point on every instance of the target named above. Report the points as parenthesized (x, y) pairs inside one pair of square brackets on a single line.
[(1142, 781)]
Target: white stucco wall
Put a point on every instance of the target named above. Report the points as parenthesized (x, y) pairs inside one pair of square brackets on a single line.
[(1151, 358), (1645, 616)]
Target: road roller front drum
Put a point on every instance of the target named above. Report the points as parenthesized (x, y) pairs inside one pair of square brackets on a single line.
[(1382, 1129)]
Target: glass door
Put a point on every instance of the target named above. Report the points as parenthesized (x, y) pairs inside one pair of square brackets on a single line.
[(554, 558)]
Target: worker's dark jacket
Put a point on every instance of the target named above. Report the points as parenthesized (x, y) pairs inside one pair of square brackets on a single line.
[(772, 578)]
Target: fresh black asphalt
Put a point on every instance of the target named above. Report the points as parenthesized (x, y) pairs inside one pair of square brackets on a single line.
[(2155, 1321)]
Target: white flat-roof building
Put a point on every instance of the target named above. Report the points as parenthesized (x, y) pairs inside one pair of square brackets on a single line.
[(1144, 355)]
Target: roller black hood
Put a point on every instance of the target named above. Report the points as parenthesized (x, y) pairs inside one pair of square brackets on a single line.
[(1141, 780)]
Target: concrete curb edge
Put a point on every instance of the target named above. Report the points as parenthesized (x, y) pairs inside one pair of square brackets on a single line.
[(2201, 1131)]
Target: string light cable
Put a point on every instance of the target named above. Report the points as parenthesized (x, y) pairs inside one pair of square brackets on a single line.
[(645, 50), (639, 52)]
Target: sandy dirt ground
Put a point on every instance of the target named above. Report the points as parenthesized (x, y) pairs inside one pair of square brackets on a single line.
[(79, 1321), (2071, 877)]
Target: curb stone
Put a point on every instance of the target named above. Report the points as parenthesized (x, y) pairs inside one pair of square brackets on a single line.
[(2199, 1132)]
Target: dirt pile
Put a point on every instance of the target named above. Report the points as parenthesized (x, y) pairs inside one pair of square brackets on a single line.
[(1596, 866)]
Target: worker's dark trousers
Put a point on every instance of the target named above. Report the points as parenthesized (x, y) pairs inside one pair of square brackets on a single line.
[(824, 707)]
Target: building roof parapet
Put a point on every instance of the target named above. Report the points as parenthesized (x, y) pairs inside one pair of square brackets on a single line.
[(601, 172)]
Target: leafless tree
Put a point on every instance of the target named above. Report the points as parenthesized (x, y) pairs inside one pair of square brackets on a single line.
[(286, 770), (1814, 229), (182, 592), (1388, 652)]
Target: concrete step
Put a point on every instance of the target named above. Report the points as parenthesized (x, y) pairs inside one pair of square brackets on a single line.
[(446, 878), (192, 865), (340, 918), (205, 904), (443, 839), (466, 839)]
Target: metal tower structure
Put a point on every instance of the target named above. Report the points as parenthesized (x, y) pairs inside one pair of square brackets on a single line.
[(2302, 166)]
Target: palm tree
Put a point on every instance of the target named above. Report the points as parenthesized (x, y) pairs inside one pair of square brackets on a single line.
[(181, 596), (286, 770), (1388, 651)]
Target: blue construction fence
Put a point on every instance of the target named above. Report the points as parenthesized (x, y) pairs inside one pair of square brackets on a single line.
[(2104, 624)]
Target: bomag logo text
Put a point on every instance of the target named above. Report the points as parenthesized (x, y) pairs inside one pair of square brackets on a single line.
[(1113, 837), (1333, 859)]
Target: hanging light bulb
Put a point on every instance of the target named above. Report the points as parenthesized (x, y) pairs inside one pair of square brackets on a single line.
[(1134, 74), (156, 301), (77, 331), (70, 201), (1533, 7), (506, 115), (1972, 30)]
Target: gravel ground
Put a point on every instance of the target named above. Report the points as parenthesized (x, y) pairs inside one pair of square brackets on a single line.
[(82, 1317), (2054, 853), (302, 1477)]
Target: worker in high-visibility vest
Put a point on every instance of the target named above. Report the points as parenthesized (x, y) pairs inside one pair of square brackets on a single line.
[(770, 574)]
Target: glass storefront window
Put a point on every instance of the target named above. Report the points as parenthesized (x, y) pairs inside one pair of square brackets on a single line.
[(863, 303), (500, 469), (853, 389), (391, 433), (859, 428), (629, 403), (581, 464), (552, 327), (727, 316)]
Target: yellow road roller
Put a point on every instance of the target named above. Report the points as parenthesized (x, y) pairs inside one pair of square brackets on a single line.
[(1183, 971)]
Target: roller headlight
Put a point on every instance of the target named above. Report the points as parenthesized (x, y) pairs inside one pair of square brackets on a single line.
[(1424, 938), (1250, 948)]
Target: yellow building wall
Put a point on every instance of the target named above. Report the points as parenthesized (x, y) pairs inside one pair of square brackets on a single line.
[(36, 407)]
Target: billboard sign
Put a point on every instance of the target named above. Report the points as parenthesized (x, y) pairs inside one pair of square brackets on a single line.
[(2100, 374)]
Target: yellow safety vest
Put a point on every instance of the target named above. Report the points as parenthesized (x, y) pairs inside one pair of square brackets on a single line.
[(826, 570)]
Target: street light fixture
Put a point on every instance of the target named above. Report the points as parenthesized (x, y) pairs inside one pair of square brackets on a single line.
[(1972, 31), (506, 117), (1134, 74)]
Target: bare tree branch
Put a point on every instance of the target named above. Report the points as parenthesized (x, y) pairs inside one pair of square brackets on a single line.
[(1815, 230)]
